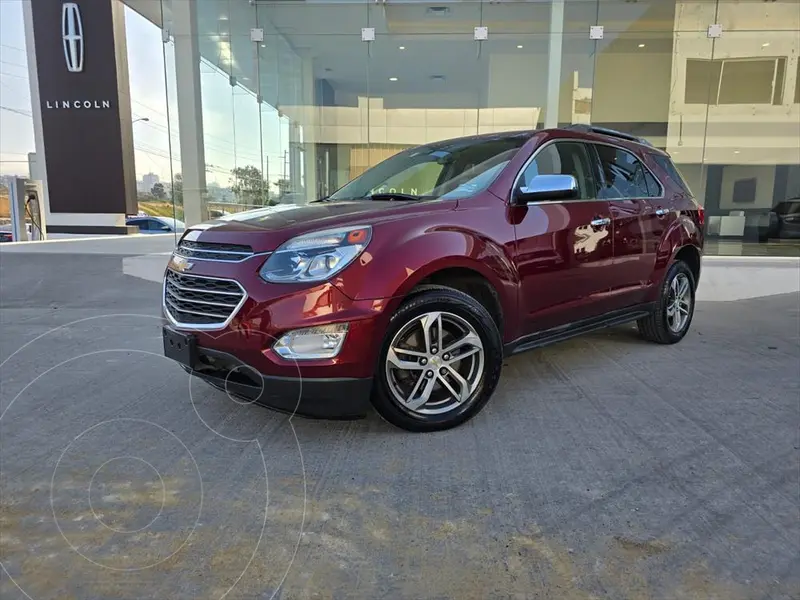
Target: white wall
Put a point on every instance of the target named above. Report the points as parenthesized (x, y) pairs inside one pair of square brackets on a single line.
[(631, 88)]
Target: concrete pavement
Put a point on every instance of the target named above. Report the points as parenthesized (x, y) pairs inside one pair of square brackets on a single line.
[(604, 467)]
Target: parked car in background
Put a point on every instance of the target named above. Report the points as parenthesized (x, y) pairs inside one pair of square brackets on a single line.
[(784, 221), (6, 235), (409, 286), (150, 224)]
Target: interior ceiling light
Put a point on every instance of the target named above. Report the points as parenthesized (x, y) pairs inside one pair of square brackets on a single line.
[(401, 48), (641, 45), (765, 44), (392, 78), (438, 10), (519, 46), (437, 77)]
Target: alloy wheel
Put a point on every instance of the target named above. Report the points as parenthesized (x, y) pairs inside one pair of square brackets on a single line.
[(679, 303), (434, 363)]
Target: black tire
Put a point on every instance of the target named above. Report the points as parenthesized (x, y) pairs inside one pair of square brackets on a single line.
[(655, 327), (429, 299)]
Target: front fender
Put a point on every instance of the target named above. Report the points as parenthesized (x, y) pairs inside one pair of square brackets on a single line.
[(394, 265)]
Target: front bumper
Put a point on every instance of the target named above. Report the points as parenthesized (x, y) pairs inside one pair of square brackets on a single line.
[(320, 398), (238, 355)]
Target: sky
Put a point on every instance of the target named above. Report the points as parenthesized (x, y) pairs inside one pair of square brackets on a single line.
[(16, 125)]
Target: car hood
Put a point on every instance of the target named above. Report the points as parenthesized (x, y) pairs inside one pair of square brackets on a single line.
[(264, 229)]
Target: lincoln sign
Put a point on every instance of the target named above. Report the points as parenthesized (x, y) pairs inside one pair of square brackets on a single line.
[(78, 104), (81, 58)]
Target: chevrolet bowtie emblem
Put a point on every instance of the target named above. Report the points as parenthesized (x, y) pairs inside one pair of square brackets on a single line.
[(180, 264)]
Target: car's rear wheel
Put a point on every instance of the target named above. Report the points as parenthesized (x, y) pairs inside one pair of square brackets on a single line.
[(671, 319), (440, 361)]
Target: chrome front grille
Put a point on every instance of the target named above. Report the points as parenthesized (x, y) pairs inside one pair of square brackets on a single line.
[(214, 251), (200, 302)]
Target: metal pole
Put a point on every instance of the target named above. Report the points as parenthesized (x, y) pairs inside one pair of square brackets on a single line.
[(554, 63)]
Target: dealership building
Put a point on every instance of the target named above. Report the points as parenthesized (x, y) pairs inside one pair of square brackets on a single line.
[(313, 92)]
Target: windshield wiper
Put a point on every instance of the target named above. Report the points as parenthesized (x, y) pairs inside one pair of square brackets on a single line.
[(393, 196)]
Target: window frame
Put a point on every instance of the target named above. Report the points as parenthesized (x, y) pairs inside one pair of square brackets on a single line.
[(662, 190), (590, 155), (777, 94)]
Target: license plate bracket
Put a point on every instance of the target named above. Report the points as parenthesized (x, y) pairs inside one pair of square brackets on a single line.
[(180, 347)]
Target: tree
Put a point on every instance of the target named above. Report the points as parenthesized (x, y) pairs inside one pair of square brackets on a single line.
[(249, 185), (283, 185), (177, 188), (158, 191)]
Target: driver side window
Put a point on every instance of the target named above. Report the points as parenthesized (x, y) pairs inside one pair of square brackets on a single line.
[(564, 158)]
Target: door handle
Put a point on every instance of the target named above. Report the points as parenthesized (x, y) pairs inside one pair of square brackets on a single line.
[(599, 222), (660, 212)]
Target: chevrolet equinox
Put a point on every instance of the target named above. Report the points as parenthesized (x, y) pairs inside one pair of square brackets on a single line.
[(406, 288)]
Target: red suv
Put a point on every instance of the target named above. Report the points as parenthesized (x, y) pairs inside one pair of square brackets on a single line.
[(407, 287)]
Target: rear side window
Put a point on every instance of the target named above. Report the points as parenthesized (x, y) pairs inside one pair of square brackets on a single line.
[(672, 172), (624, 175)]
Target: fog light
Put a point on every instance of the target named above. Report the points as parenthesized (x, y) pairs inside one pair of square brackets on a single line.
[(312, 343)]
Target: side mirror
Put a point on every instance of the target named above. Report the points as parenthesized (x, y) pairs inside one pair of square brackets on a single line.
[(547, 187)]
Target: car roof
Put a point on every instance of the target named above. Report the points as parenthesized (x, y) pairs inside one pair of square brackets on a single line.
[(588, 132), (522, 135), (613, 136)]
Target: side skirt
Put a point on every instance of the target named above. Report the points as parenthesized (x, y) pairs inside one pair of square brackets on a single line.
[(570, 330)]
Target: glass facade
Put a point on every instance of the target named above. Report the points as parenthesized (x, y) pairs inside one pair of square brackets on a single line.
[(290, 100)]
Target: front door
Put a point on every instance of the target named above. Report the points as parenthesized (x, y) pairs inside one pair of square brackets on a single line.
[(562, 246)]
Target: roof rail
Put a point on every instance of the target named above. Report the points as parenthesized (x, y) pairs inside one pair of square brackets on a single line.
[(608, 132)]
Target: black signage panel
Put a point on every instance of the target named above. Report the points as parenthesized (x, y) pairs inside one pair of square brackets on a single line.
[(81, 58)]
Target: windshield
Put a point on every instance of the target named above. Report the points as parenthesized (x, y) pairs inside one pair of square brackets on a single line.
[(447, 170)]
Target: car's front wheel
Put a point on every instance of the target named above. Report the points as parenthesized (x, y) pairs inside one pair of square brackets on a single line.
[(670, 320), (440, 361)]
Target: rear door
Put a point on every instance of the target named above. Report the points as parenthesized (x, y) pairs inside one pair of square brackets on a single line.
[(562, 246), (640, 214)]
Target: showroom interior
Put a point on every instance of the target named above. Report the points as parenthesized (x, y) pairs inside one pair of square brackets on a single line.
[(312, 93)]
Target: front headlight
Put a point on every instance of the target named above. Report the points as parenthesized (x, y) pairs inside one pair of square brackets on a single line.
[(316, 256)]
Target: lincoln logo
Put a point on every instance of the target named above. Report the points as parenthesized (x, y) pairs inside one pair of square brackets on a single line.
[(72, 36)]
